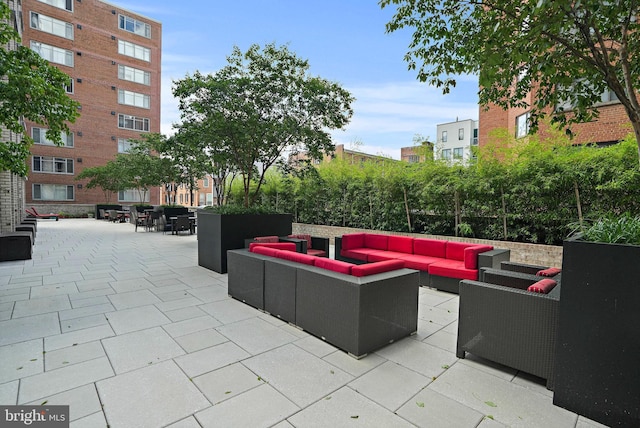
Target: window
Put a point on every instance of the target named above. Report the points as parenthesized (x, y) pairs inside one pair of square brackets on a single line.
[(446, 154), (205, 183), (133, 98), (132, 195), (39, 136), (474, 142), (181, 198), (53, 54), (444, 136), (133, 122), (414, 159), (124, 145), (49, 164), (61, 4), (51, 25), (607, 96), (69, 88), (52, 192), (522, 125), (134, 26), (134, 75), (458, 153), (460, 134), (133, 50)]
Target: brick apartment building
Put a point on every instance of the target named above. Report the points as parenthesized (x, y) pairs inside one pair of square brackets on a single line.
[(113, 57), (611, 127)]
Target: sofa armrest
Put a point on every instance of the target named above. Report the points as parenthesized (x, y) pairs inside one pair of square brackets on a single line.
[(507, 278), (301, 244), (337, 245), (493, 258), (521, 267), (319, 243)]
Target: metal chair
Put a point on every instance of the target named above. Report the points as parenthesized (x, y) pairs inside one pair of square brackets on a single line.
[(181, 224)]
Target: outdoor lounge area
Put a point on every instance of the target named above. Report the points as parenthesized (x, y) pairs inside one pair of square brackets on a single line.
[(104, 320)]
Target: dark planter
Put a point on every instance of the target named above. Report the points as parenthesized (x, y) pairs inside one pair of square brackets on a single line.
[(597, 370), (218, 233)]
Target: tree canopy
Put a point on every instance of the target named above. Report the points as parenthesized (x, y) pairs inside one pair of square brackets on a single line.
[(30, 89), (262, 104), (568, 52)]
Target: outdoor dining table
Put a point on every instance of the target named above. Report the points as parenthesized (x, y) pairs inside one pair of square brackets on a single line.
[(192, 224)]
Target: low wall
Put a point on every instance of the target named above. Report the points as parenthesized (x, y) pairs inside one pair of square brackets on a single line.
[(536, 254)]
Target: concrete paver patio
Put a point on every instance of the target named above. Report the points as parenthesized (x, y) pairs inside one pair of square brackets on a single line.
[(129, 331)]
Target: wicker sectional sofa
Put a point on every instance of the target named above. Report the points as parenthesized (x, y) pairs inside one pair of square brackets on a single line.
[(442, 264), (355, 308)]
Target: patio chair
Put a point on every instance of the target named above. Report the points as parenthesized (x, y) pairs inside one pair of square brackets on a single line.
[(182, 223), (505, 323), (139, 219), (33, 213), (312, 245)]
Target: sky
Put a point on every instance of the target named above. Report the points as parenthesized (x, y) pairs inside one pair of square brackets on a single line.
[(343, 40)]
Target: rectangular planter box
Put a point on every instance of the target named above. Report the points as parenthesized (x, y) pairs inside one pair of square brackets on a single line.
[(218, 233), (597, 372)]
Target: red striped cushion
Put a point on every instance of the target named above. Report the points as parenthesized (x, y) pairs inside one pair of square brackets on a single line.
[(543, 286)]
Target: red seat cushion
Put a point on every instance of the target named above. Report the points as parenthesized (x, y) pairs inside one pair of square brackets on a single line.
[(379, 255), (471, 255), (264, 250), (430, 247), (316, 253), (352, 240), (378, 267), (400, 244), (288, 246), (358, 253), (334, 265), (378, 242), (452, 269), (413, 261), (543, 286), (552, 271)]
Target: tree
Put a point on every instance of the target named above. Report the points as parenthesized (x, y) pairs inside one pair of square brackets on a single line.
[(260, 104), (567, 52), (30, 89)]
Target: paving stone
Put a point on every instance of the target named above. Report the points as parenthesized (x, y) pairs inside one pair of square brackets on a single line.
[(9, 393), (191, 325), (52, 382), (346, 408), (184, 313), (227, 382), (229, 311), (74, 338), (436, 314), (315, 346), (86, 311), (430, 409), (25, 308), (190, 422), (176, 299), (53, 290), (123, 286), (210, 294), (21, 360), (443, 340), (82, 401), (353, 366), (68, 356), (91, 301), (82, 323), (255, 335), (133, 299), (508, 403), (140, 349), (420, 357), (21, 329), (62, 278), (154, 396), (300, 376), (94, 420), (200, 340), (129, 320), (210, 359), (259, 407)]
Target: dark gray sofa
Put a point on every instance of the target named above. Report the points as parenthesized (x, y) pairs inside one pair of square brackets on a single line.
[(355, 314)]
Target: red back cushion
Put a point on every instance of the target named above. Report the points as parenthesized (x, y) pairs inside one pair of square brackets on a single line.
[(288, 246), (377, 267), (455, 250), (430, 247), (552, 271), (352, 240), (297, 257), (543, 286), (378, 242), (471, 255), (265, 251), (266, 239), (401, 244), (334, 265), (302, 236)]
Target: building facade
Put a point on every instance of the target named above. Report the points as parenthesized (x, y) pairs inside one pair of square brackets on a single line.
[(113, 58), (455, 141), (418, 153)]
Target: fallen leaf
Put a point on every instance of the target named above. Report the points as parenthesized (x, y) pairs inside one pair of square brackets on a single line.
[(355, 417), (420, 404), (490, 404), (227, 392)]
